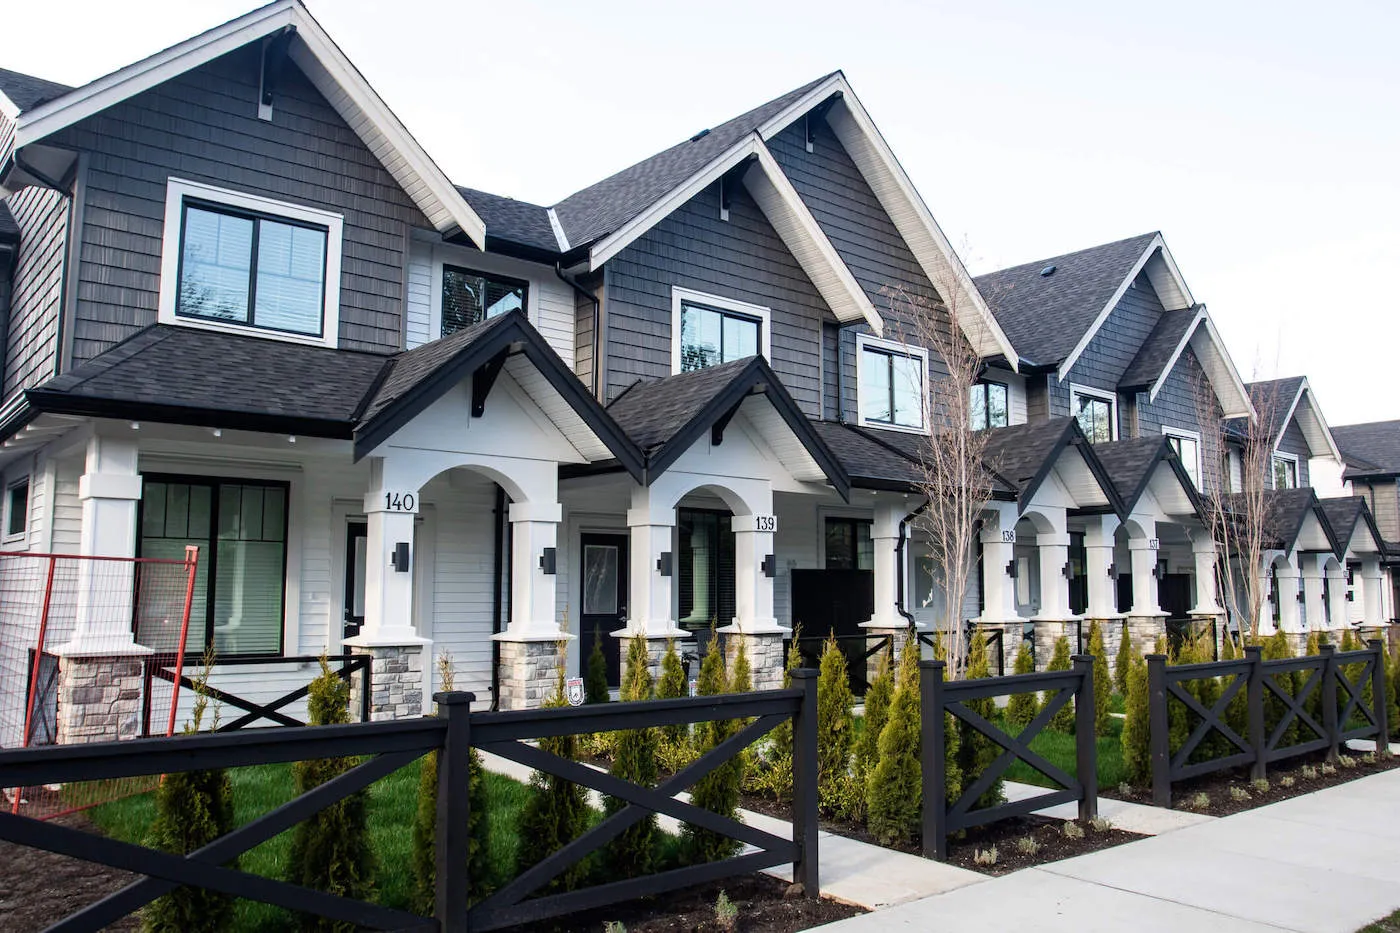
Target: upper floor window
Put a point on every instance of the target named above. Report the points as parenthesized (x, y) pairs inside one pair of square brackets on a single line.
[(989, 405), (17, 508), (1285, 472), (1096, 412), (1187, 445), (471, 297), (891, 378), (710, 330), (247, 263)]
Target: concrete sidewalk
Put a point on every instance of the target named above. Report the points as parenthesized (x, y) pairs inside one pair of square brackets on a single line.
[(1327, 861)]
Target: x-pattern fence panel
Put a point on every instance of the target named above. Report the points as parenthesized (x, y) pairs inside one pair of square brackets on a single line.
[(940, 699), (1290, 707)]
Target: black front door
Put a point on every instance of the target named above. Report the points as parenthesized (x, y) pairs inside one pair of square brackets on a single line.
[(603, 572), (1174, 593), (355, 550)]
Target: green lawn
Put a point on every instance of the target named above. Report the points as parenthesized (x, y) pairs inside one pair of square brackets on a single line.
[(393, 802), (1059, 749)]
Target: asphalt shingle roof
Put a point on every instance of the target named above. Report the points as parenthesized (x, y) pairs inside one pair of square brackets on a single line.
[(1272, 400), (1044, 317), (600, 209), (1017, 452), (408, 369), (27, 92), (652, 412), (513, 221), (1127, 462), (1156, 351), (1343, 513), (867, 461), (1369, 448)]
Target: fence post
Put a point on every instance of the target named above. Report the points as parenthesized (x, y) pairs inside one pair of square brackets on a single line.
[(1379, 697), (1254, 707), (1159, 741), (1086, 745), (933, 768), (1329, 701), (806, 869), (366, 685), (453, 812)]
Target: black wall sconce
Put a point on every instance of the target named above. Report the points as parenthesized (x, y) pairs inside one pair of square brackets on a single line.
[(1351, 597), (549, 562), (770, 566), (1112, 571), (1011, 569), (1302, 597), (399, 559), (663, 564), (1068, 570)]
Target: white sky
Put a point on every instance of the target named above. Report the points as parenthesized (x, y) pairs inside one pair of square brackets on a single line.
[(1262, 138)]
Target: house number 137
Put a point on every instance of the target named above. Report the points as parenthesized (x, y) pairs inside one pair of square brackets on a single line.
[(399, 501)]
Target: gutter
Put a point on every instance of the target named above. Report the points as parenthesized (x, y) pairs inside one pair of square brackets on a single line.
[(899, 563)]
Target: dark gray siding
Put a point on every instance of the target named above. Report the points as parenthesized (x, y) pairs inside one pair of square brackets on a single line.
[(583, 330), (1295, 443), (203, 126), (742, 259), (31, 349), (1038, 398), (868, 242), (1177, 407), (1108, 354)]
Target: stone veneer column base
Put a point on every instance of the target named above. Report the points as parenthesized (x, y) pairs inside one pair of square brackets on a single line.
[(1201, 625), (897, 637), (656, 650), (765, 654), (1298, 642), (99, 698), (396, 681), (1145, 631), (1047, 632), (528, 674)]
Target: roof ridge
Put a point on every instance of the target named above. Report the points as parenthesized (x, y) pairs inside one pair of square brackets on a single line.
[(1075, 252)]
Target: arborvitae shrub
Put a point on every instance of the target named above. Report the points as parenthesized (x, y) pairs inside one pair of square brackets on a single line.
[(193, 808), (595, 682), (717, 791), (1103, 685), (894, 788), (1276, 648), (1137, 753), (1022, 707), (976, 752), (877, 713), (331, 850), (1392, 688), (835, 725), (1122, 662), (669, 685), (1063, 721), (1227, 647), (632, 854), (1206, 691), (774, 776), (556, 811)]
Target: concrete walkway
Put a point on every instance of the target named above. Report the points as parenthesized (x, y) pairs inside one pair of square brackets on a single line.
[(1326, 862)]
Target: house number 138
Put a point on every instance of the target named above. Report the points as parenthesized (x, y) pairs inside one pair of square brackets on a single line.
[(399, 501)]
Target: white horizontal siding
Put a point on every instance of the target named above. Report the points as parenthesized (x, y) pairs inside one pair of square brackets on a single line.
[(418, 300), (464, 577), (67, 508)]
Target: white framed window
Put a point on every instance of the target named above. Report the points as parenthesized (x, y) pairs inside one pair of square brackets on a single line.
[(244, 263), (707, 330), (1096, 411), (16, 509), (1285, 470), (891, 379), (1187, 445)]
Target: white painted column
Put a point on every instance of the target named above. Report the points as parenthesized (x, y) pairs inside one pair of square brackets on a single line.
[(753, 590), (534, 526), (1143, 554), (1289, 617), (1314, 614), (649, 592), (1204, 555), (998, 553), (1098, 563), (110, 492), (1372, 609), (1052, 549), (1337, 597), (388, 591), (884, 534)]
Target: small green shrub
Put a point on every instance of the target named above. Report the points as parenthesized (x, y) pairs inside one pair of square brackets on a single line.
[(1137, 753), (877, 712), (1103, 684), (1063, 721), (835, 724), (1276, 648), (1123, 661), (632, 854), (773, 775), (595, 680), (894, 789), (726, 913), (1022, 707), (670, 685), (717, 791), (976, 752)]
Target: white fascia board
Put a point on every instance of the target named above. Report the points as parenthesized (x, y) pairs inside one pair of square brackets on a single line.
[(1176, 355), (799, 231), (560, 237), (1214, 355), (326, 66), (1319, 435), (1107, 309), (1168, 281), (901, 201), (1292, 410)]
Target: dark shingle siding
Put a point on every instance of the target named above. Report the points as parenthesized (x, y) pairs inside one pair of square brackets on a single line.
[(1113, 347), (1176, 406), (1294, 442), (203, 126), (741, 259), (31, 350)]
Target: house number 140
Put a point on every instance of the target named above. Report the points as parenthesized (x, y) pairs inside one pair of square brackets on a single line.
[(400, 502)]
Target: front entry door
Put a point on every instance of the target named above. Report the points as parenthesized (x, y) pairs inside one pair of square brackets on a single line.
[(355, 550), (603, 572)]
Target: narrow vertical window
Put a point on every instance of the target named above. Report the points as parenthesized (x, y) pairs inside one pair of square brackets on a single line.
[(17, 508), (990, 408)]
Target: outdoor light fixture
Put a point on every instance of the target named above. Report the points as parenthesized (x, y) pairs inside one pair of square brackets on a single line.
[(770, 566), (399, 560), (1011, 569), (1112, 571), (1068, 570), (548, 562), (663, 564)]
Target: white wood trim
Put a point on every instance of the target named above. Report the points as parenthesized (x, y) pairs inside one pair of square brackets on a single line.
[(8, 109), (1107, 309), (327, 67), (1105, 395), (10, 487), (178, 189), (1305, 390), (560, 237), (681, 295), (1242, 406), (1291, 458), (864, 341), (1168, 431)]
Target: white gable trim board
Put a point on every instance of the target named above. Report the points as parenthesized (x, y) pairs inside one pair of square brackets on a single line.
[(1312, 424)]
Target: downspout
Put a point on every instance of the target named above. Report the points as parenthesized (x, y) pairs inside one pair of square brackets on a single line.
[(841, 374), (497, 594), (597, 324), (899, 563)]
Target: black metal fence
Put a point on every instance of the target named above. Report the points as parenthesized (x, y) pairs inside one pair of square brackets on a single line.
[(858, 649), (1267, 687), (389, 746), (939, 698)]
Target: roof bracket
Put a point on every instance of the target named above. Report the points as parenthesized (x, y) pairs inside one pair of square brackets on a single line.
[(483, 379), (274, 59), (722, 422)]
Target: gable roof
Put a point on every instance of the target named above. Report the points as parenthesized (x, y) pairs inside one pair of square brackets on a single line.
[(1289, 511), (324, 64), (911, 448), (509, 221), (1371, 449), (1344, 514), (1024, 455), (1132, 464), (25, 92), (665, 417), (1159, 353), (1050, 319), (870, 464), (1279, 401)]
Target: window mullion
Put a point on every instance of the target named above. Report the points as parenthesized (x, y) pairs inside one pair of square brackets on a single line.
[(212, 574), (253, 277)]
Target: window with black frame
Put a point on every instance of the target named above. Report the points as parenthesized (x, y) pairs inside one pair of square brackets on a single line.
[(240, 527), (892, 387), (256, 270), (1285, 473), (848, 544), (711, 336), (1095, 416), (705, 567), (470, 297), (990, 405)]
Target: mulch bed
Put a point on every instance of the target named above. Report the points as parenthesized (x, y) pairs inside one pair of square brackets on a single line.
[(1054, 845), (763, 903), (1217, 786), (38, 888)]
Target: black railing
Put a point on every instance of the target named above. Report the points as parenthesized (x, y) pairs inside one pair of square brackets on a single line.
[(394, 744), (164, 667), (858, 649), (1181, 632), (1343, 715), (938, 697)]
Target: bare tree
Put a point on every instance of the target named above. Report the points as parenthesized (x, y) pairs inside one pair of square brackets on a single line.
[(955, 477)]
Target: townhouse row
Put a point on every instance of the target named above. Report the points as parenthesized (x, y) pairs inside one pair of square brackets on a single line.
[(244, 310)]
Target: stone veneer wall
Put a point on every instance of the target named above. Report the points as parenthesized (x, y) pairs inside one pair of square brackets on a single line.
[(528, 673), (99, 699), (396, 682), (765, 654), (1145, 630)]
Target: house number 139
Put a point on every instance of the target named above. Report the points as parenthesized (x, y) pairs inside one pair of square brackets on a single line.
[(765, 523), (399, 502)]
